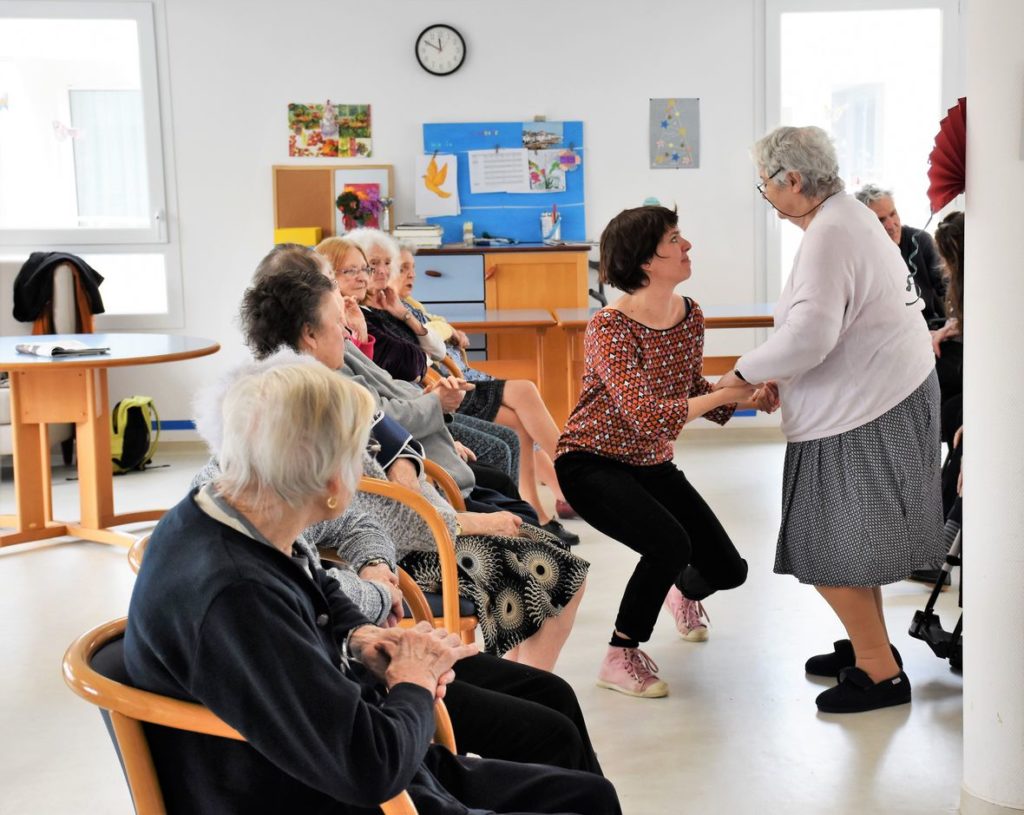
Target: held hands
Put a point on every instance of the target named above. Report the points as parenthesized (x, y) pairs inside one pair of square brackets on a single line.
[(421, 655), (763, 396)]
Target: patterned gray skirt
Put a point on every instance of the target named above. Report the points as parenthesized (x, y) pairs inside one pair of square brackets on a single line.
[(515, 583), (864, 507)]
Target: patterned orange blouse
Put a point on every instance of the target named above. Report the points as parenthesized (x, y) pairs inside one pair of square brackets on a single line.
[(636, 387)]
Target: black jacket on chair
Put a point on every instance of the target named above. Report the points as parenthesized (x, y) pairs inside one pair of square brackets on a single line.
[(33, 287)]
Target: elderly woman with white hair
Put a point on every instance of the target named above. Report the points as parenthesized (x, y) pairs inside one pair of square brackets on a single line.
[(861, 501), (227, 612)]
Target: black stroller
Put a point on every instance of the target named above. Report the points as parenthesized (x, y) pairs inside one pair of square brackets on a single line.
[(926, 625)]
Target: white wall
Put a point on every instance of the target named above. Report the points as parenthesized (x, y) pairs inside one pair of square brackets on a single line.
[(234, 66)]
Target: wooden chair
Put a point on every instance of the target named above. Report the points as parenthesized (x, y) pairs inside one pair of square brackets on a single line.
[(440, 478), (93, 668), (451, 617)]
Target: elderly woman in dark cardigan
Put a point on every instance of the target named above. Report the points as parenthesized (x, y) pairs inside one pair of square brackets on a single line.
[(226, 612), (861, 501)]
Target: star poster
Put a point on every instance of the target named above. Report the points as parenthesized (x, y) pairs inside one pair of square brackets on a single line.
[(675, 134)]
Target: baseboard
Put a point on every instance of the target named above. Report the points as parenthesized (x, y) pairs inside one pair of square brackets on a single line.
[(972, 805)]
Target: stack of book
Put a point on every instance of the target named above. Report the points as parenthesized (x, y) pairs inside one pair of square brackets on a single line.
[(419, 234)]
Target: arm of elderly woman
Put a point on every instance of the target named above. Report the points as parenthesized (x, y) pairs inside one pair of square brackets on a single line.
[(286, 694)]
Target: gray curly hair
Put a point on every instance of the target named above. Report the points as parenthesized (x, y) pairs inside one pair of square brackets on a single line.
[(805, 150), (870, 193)]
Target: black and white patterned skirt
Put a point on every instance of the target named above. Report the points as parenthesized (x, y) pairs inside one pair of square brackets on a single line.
[(515, 583), (864, 507)]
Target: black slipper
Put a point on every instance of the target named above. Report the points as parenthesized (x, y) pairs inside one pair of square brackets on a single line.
[(842, 657), (856, 693)]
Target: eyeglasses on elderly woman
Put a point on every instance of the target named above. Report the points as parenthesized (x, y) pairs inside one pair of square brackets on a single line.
[(353, 271), (764, 184)]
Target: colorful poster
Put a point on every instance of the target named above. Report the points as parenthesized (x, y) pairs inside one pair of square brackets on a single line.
[(437, 186), (675, 134), (336, 131), (547, 172)]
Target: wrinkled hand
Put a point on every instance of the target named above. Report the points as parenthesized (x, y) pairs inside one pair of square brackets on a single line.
[(388, 300), (450, 392), (464, 452), (490, 523), (403, 471), (397, 611), (766, 398), (940, 335), (354, 318), (421, 655), (461, 339)]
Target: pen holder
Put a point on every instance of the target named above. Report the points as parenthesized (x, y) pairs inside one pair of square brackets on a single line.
[(550, 227)]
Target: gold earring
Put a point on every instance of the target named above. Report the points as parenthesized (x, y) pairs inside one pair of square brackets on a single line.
[(332, 502)]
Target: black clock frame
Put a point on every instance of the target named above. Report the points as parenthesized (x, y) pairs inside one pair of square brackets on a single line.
[(456, 32)]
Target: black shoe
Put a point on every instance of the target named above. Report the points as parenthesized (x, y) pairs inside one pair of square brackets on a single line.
[(560, 532), (856, 693), (841, 657), (929, 576)]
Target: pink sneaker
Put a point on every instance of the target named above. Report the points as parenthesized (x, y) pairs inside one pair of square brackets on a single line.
[(630, 671), (689, 615)]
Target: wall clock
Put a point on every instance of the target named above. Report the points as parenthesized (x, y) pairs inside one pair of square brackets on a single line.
[(440, 50)]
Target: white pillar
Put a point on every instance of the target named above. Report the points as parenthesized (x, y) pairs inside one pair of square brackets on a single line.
[(993, 781)]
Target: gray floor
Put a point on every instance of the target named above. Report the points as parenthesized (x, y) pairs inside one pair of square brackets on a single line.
[(738, 734)]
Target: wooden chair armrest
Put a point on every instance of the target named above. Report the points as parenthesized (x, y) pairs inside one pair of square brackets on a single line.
[(414, 598), (442, 478), (453, 370), (430, 377), (445, 546)]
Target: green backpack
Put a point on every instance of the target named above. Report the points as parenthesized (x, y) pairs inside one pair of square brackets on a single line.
[(132, 445)]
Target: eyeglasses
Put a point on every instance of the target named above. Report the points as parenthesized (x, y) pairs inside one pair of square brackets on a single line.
[(355, 270), (761, 187)]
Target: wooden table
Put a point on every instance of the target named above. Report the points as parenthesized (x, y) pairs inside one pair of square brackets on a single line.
[(74, 389), (520, 321), (574, 322)]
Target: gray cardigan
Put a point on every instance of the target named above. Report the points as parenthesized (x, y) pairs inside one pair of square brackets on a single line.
[(420, 415)]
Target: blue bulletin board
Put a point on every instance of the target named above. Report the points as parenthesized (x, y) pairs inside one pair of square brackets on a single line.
[(509, 214)]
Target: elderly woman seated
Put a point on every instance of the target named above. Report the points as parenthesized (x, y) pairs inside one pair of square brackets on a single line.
[(400, 350), (228, 613), (401, 332), (526, 587)]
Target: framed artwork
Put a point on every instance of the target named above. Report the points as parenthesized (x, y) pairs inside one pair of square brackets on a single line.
[(329, 130), (362, 197)]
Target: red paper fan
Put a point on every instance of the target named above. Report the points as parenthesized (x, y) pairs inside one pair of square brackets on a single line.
[(948, 171)]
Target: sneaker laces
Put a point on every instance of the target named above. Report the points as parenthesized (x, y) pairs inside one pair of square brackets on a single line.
[(640, 666), (694, 614)]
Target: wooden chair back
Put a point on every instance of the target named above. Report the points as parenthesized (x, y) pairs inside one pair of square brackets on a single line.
[(129, 707)]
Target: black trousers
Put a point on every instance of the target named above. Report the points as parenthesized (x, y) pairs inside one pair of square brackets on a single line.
[(504, 710), (654, 511), (511, 789)]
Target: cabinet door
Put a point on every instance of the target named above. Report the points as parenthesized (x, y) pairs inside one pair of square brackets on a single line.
[(449, 279), (542, 279)]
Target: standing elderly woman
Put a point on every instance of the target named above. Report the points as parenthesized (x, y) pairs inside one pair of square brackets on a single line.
[(860, 405), (227, 612)]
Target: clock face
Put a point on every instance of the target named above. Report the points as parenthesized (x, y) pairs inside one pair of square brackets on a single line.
[(440, 50)]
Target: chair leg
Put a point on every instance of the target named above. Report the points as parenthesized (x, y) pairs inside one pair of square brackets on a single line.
[(67, 450)]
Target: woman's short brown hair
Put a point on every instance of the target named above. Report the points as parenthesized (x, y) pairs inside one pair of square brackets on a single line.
[(629, 241)]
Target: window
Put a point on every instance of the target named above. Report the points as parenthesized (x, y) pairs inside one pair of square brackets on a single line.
[(873, 76), (81, 157)]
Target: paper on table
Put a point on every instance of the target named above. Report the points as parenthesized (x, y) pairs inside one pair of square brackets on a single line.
[(437, 186), (498, 171), (68, 348)]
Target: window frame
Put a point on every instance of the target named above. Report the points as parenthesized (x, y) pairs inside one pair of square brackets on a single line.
[(768, 226), (160, 237)]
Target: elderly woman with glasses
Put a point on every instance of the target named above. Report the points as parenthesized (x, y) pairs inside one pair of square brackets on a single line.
[(861, 501)]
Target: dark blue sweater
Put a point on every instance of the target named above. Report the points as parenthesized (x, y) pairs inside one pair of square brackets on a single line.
[(238, 626)]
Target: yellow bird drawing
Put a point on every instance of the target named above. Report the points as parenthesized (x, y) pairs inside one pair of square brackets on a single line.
[(435, 178)]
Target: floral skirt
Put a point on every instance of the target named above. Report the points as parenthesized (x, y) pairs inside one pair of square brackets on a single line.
[(515, 583)]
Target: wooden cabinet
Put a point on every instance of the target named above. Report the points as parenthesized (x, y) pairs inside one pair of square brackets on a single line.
[(449, 281)]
